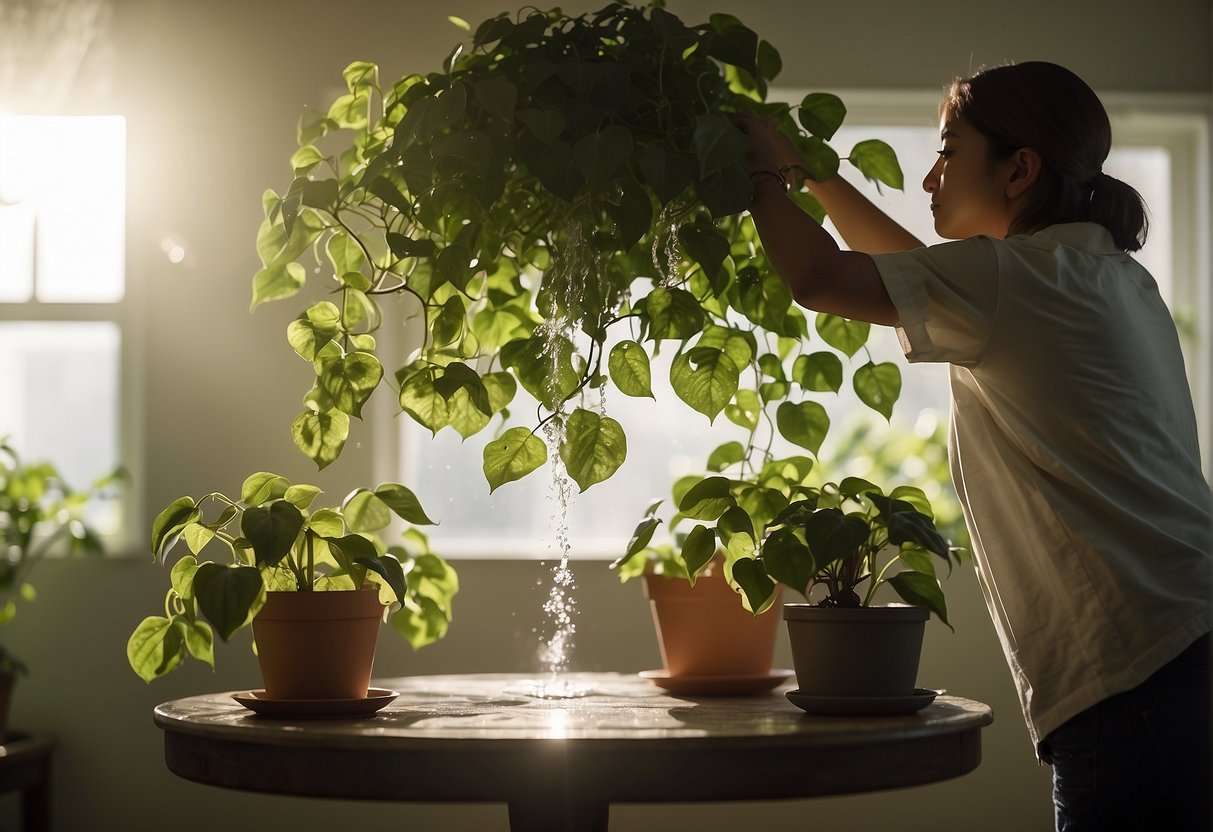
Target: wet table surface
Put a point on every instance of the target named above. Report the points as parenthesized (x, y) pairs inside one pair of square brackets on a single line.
[(560, 763)]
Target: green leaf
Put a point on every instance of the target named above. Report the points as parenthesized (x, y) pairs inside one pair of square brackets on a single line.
[(321, 436), (755, 584), (628, 365), (315, 328), (301, 496), (725, 455), (515, 454), (448, 325), (698, 549), (820, 372), (820, 159), (718, 143), (666, 172), (708, 499), (199, 639), (769, 62), (305, 158), (388, 568), (226, 595), (263, 487), (545, 125), (878, 386), (725, 192), (921, 590), (804, 424), (877, 161), (344, 253), (271, 530), (842, 334), (359, 75), (346, 550), (155, 648), (365, 512), (641, 536), (197, 536), (421, 622), (182, 577), (746, 410), (593, 448), (350, 380), (821, 114), (419, 399), (673, 313), (459, 376), (602, 154), (706, 245), (349, 111), (832, 535), (788, 560), (705, 378), (403, 503), (496, 96), (170, 522)]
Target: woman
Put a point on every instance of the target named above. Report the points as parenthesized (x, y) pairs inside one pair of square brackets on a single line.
[(1073, 444)]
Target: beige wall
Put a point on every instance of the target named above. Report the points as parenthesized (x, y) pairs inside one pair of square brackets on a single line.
[(212, 91)]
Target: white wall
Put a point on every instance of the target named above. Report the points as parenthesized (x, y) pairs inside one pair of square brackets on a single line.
[(212, 92)]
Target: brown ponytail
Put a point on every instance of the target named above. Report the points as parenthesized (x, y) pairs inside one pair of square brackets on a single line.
[(1050, 109)]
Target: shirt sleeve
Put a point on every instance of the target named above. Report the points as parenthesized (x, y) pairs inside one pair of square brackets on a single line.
[(946, 297)]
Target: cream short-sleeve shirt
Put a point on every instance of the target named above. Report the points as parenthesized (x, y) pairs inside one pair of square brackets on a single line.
[(1074, 452)]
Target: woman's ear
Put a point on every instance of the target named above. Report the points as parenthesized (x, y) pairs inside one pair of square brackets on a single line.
[(1025, 171)]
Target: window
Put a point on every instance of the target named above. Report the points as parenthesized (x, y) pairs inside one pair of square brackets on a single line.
[(666, 439), (63, 320)]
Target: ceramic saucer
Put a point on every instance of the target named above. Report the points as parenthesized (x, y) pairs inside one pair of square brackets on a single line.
[(256, 701), (863, 705), (715, 685)]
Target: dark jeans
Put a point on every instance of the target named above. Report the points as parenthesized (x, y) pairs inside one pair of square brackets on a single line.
[(1139, 760)]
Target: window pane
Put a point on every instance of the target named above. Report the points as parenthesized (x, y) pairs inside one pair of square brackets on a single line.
[(70, 172), (1148, 169), (59, 385), (16, 252)]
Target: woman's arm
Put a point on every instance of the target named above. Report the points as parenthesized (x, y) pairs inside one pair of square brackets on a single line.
[(820, 275), (806, 257), (864, 226)]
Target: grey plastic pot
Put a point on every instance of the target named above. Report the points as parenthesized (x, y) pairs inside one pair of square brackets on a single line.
[(864, 652)]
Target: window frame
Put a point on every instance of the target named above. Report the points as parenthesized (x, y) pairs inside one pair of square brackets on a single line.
[(124, 313)]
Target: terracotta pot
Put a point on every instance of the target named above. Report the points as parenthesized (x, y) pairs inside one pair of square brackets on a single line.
[(865, 652), (317, 645), (704, 630)]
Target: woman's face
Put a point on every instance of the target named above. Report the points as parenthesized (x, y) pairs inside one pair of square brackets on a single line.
[(968, 189)]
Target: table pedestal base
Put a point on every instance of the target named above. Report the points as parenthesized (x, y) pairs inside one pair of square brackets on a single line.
[(555, 815)]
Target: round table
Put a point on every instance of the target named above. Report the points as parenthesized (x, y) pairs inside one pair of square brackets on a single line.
[(560, 763)]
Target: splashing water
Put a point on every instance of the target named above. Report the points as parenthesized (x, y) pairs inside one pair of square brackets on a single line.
[(566, 277), (560, 607), (665, 246)]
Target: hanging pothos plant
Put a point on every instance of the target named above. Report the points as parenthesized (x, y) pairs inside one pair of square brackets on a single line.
[(563, 199)]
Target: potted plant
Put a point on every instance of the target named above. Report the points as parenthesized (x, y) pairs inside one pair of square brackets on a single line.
[(850, 654), (313, 582), (709, 643), (39, 515)]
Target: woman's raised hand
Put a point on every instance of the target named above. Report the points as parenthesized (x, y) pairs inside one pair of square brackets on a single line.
[(769, 149)]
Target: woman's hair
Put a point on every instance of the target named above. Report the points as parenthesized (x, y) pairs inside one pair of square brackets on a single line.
[(1050, 109)]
